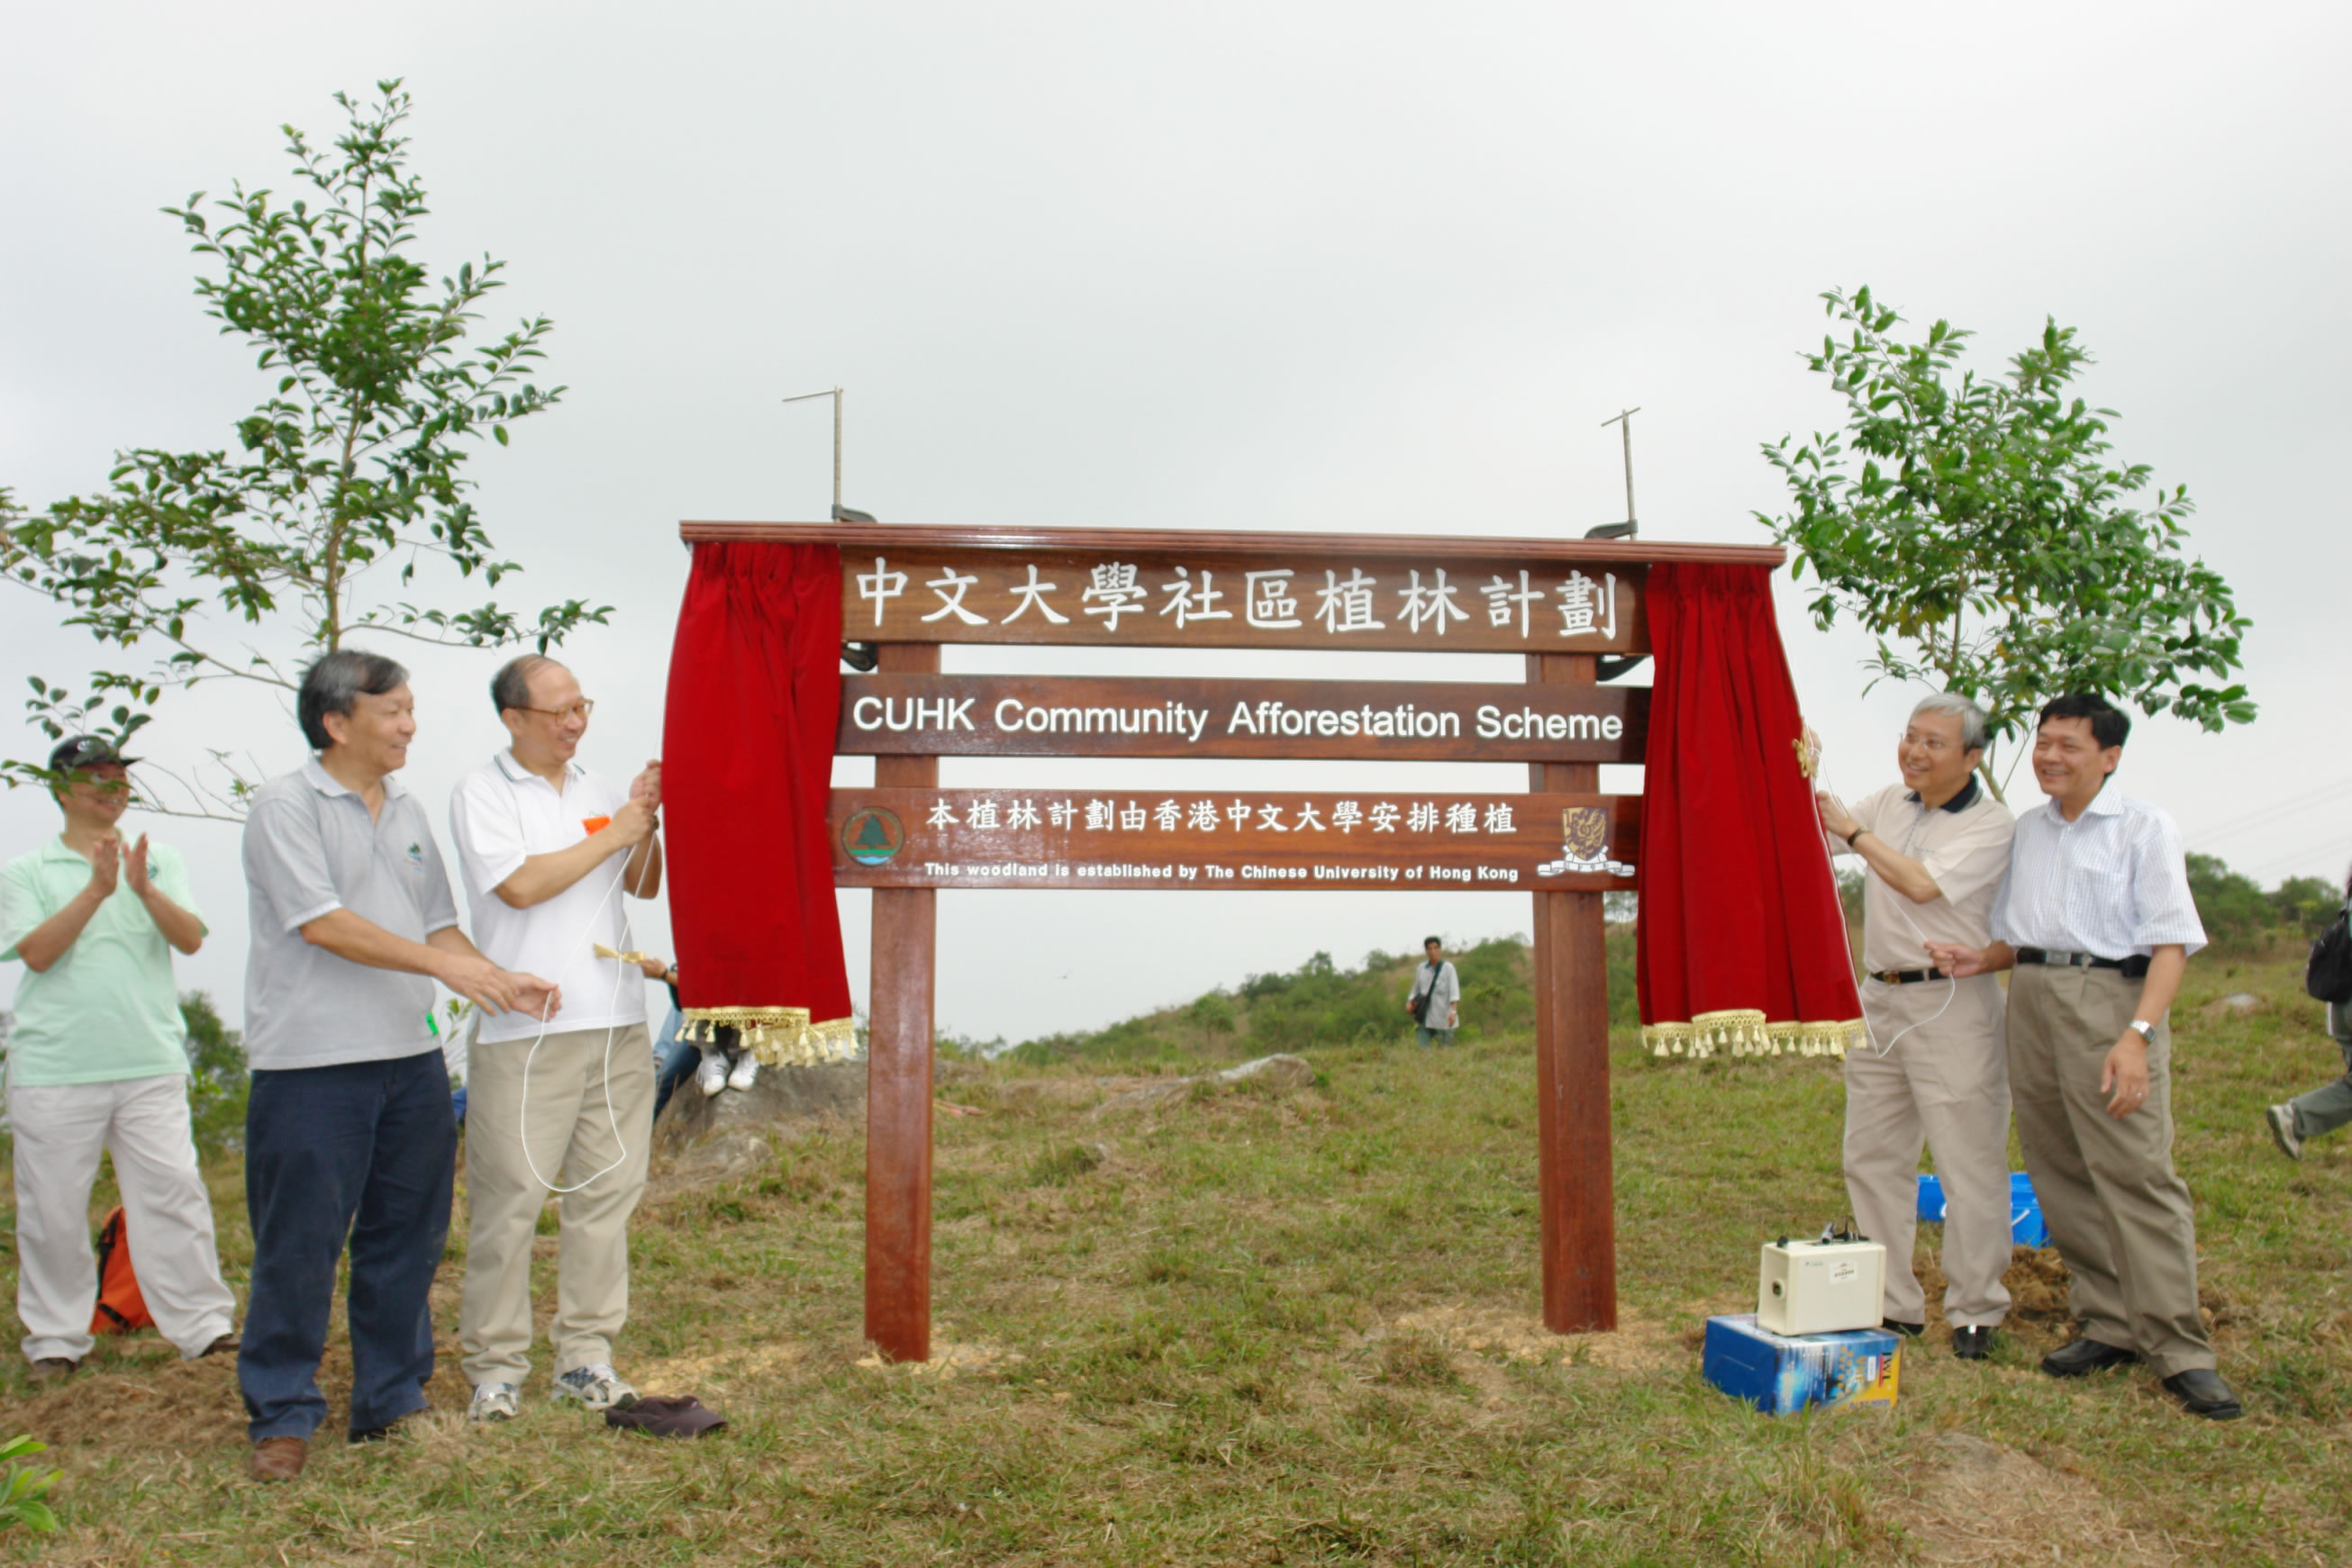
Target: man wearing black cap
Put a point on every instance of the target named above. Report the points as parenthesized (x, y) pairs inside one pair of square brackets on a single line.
[(98, 1063)]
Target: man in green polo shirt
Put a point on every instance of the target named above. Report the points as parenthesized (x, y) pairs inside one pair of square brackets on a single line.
[(98, 1062)]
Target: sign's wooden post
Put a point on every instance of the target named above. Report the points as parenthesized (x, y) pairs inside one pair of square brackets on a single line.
[(899, 1076), (1574, 1176)]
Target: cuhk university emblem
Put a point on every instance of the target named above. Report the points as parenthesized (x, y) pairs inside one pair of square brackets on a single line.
[(1584, 838), (872, 835)]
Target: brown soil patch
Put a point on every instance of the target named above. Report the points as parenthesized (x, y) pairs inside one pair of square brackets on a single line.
[(948, 1359), (1981, 1502), (2037, 1282), (1635, 1346), (143, 1397)]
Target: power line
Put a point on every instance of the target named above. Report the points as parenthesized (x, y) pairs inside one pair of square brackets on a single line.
[(2272, 812)]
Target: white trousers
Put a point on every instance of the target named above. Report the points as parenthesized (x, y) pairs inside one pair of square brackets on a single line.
[(60, 1129), (1943, 1084)]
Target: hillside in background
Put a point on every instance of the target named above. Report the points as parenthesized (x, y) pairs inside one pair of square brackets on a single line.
[(1321, 1004)]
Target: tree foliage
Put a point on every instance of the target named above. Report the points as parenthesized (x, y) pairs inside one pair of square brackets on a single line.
[(346, 482), (2237, 914), (1979, 530), (219, 1084)]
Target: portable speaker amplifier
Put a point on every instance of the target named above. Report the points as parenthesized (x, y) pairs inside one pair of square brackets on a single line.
[(1821, 1286)]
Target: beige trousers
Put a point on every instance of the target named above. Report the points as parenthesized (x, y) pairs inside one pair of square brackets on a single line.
[(1943, 1081), (2117, 1210), (571, 1135)]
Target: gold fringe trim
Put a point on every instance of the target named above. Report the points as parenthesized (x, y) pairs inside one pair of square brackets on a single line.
[(778, 1036), (1743, 1031)]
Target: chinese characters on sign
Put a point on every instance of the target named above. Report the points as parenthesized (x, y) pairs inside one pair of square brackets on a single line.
[(1165, 601)]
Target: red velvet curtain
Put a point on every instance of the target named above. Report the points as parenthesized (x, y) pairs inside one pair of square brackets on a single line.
[(1741, 948), (747, 765)]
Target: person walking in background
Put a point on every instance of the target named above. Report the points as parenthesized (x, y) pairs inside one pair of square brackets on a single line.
[(1936, 1072), (550, 851), (2329, 1106), (2096, 916), (1435, 999), (349, 1132), (98, 1063)]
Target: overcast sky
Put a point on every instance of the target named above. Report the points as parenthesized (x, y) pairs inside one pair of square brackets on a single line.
[(1346, 267)]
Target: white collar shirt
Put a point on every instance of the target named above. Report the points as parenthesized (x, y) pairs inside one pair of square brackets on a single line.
[(500, 815), (2112, 882)]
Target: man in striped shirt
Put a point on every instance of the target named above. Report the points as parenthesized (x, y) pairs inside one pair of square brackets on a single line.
[(2098, 918)]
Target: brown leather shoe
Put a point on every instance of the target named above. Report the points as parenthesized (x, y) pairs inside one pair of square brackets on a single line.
[(278, 1459), (227, 1344), (51, 1368)]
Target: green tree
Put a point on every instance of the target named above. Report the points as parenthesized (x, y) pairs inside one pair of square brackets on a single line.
[(1977, 528), (1213, 1015), (348, 480), (218, 1081)]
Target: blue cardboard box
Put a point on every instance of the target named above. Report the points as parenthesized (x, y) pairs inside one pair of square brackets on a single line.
[(1777, 1373), (1780, 1373), (2026, 1226)]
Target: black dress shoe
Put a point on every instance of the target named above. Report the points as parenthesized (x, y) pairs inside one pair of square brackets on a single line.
[(2202, 1392), (1898, 1325), (2086, 1355), (1972, 1343)]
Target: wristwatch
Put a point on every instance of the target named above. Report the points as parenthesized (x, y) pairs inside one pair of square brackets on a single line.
[(2146, 1029)]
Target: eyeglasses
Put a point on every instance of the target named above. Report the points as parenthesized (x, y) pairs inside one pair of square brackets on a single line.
[(583, 708)]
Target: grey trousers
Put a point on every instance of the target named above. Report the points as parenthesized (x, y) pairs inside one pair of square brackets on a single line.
[(1937, 1074), (2329, 1106), (2118, 1209)]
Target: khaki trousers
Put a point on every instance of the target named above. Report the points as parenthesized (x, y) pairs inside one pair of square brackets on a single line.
[(571, 1136), (1943, 1084), (2117, 1210)]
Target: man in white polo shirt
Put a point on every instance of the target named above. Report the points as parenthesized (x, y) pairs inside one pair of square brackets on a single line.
[(550, 850)]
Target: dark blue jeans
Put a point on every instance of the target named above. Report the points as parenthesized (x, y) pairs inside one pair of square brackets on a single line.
[(367, 1152), (678, 1066)]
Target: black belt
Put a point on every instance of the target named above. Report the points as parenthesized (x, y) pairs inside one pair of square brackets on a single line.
[(2133, 968), (1907, 976)]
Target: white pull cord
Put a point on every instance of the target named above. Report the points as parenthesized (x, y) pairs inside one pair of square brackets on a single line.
[(620, 978)]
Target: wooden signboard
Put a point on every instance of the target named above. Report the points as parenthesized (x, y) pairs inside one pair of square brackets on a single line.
[(1560, 603)]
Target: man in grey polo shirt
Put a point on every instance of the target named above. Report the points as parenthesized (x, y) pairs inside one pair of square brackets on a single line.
[(349, 1132)]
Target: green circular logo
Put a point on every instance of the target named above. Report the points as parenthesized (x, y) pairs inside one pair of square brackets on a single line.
[(872, 835)]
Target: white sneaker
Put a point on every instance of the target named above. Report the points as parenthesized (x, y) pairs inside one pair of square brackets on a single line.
[(494, 1402), (746, 1072), (712, 1076), (596, 1385)]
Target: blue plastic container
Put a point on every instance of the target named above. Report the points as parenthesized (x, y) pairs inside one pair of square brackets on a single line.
[(2026, 1226)]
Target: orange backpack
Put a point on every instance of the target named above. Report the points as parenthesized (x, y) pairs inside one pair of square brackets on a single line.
[(121, 1307)]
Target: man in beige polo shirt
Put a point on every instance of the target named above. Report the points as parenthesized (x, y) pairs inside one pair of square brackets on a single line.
[(1935, 848)]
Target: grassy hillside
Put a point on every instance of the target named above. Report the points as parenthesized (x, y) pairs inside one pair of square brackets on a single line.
[(1321, 1004), (1300, 1327)]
